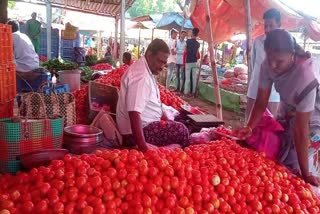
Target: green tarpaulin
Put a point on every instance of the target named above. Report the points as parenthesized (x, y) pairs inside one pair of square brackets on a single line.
[(230, 100)]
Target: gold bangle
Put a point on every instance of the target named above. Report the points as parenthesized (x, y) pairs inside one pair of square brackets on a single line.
[(249, 128)]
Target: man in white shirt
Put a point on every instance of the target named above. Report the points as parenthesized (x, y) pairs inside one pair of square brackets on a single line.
[(25, 57), (172, 57), (272, 21), (139, 110), (181, 45)]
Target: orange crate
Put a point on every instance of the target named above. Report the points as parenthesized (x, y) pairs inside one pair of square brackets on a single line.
[(8, 89), (6, 46), (6, 109)]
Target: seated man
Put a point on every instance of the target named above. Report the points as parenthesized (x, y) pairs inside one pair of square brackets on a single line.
[(140, 118), (25, 57)]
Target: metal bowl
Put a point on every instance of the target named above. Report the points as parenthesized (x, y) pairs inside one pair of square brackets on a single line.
[(42, 157), (83, 131)]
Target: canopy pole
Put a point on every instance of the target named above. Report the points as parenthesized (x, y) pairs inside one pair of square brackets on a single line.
[(152, 34), (213, 62), (115, 43), (122, 31), (199, 71), (49, 21), (139, 44), (249, 37)]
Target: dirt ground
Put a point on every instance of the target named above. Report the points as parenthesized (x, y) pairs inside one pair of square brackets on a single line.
[(233, 119)]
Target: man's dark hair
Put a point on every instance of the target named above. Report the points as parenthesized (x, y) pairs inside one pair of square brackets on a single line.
[(195, 31), (183, 31), (15, 25), (127, 55), (272, 14), (158, 45)]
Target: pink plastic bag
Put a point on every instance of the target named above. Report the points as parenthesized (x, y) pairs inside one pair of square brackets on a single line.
[(266, 136)]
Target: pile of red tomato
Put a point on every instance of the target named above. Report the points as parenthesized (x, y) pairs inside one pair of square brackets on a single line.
[(220, 177), (114, 78), (43, 58), (101, 67)]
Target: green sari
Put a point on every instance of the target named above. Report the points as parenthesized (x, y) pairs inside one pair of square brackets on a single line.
[(33, 31)]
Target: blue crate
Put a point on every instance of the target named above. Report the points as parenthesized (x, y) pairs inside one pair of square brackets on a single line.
[(67, 52), (67, 43), (57, 89), (32, 85)]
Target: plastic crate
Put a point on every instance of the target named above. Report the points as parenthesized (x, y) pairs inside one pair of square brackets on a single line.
[(27, 85), (7, 82), (6, 47), (11, 166), (67, 53), (6, 109), (68, 43), (57, 89)]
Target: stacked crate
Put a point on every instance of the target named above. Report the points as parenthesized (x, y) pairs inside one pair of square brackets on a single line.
[(67, 47), (7, 72)]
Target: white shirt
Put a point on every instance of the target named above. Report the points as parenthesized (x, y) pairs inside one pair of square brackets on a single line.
[(172, 44), (25, 57), (181, 45), (139, 92), (258, 56)]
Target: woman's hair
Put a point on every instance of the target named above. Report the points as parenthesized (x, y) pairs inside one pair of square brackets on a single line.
[(282, 41)]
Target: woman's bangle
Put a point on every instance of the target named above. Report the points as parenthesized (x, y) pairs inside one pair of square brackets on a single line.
[(249, 128)]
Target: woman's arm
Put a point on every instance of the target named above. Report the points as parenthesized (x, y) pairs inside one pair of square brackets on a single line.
[(256, 114), (301, 140), (259, 107)]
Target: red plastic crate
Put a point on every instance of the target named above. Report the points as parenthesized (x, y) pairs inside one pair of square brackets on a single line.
[(6, 45), (6, 109), (8, 88)]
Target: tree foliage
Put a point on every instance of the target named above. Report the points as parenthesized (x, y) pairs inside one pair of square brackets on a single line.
[(147, 7), (11, 4)]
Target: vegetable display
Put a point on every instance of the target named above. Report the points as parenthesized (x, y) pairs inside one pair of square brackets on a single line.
[(220, 177), (101, 66), (87, 73), (59, 65), (114, 78)]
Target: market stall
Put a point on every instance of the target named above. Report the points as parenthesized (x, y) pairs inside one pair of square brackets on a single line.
[(56, 157)]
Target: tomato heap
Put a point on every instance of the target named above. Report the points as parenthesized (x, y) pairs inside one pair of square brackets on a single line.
[(220, 177), (114, 78), (101, 66)]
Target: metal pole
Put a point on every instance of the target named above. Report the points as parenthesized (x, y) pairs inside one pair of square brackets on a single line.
[(139, 44), (49, 20), (249, 36), (115, 44), (213, 61), (152, 34), (122, 31)]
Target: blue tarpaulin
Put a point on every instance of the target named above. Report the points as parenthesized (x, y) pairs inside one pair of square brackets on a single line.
[(173, 20)]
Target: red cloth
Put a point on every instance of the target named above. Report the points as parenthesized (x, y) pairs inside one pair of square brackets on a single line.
[(229, 17)]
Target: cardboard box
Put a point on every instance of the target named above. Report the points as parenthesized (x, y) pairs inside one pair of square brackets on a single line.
[(102, 96)]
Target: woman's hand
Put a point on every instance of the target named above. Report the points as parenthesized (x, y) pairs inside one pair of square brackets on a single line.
[(242, 133), (152, 147), (313, 180)]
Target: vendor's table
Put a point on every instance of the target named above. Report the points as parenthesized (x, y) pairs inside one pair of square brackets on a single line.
[(230, 100)]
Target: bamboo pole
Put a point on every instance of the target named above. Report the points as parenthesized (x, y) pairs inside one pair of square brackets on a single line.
[(213, 61), (249, 37), (199, 72)]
